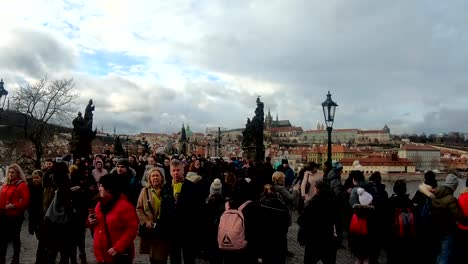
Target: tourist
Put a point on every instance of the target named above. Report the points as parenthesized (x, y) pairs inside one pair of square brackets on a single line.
[(99, 171), (214, 207), (58, 237), (403, 234), (115, 224), (288, 172), (273, 230), (444, 215), (242, 196), (461, 238), (14, 200), (47, 183), (150, 213), (311, 176), (151, 164), (127, 181), (362, 228), (288, 196), (230, 180), (426, 243), (187, 204), (35, 214), (318, 225)]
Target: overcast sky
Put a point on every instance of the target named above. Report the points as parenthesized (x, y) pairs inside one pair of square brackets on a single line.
[(152, 65)]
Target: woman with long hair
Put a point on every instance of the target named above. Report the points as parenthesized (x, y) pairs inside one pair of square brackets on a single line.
[(150, 211), (14, 200), (115, 224)]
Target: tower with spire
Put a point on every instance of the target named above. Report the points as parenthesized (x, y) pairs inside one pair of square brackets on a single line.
[(268, 120)]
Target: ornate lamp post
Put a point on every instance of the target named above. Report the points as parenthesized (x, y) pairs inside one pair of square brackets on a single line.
[(3, 95), (329, 108)]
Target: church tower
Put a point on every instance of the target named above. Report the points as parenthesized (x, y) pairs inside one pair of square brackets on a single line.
[(386, 129), (268, 120)]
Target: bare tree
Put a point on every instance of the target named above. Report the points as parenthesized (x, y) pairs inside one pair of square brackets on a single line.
[(41, 103)]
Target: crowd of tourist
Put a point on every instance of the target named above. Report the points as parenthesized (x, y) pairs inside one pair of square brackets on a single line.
[(237, 211)]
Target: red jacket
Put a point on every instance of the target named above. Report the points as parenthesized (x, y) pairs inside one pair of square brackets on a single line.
[(122, 224), (16, 193), (462, 221)]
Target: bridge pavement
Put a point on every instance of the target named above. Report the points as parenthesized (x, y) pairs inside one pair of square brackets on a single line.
[(29, 245)]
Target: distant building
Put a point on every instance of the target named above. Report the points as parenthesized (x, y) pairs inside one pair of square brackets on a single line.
[(270, 123), (381, 136), (319, 154), (425, 157), (339, 136), (348, 136), (388, 164)]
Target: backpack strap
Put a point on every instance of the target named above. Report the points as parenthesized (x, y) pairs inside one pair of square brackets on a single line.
[(244, 205), (149, 203)]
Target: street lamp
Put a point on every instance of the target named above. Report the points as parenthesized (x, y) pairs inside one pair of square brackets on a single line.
[(3, 95), (329, 108)]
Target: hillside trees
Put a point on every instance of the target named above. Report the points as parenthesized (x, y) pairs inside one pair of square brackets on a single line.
[(41, 103)]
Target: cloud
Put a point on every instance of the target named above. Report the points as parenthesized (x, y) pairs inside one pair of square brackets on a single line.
[(35, 53), (151, 65)]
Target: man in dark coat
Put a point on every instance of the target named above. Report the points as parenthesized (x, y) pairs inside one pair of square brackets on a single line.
[(128, 183), (187, 203)]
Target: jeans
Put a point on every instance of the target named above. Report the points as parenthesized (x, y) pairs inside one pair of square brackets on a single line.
[(447, 249)]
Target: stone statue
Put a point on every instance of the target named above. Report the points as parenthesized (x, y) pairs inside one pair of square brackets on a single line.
[(88, 117), (83, 134), (78, 124), (247, 139), (252, 142)]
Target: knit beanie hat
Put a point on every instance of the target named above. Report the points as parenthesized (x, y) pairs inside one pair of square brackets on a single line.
[(451, 181), (216, 187), (365, 198), (123, 162)]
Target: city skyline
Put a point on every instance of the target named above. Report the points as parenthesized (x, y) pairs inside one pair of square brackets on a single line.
[(153, 65)]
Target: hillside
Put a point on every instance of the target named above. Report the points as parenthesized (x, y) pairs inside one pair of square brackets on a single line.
[(12, 122)]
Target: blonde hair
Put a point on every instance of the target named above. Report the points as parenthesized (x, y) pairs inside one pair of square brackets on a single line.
[(278, 177), (37, 173), (160, 171), (18, 171)]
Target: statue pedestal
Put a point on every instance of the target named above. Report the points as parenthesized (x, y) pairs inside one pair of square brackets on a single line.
[(249, 153), (253, 153)]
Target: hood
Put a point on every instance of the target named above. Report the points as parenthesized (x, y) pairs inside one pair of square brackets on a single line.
[(332, 175), (443, 191), (426, 190)]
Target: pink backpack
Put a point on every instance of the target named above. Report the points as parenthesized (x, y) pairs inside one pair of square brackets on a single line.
[(231, 230)]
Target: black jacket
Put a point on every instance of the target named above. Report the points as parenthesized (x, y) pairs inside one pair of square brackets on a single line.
[(318, 221)]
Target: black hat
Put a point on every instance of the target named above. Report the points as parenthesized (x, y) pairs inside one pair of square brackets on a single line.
[(110, 183), (123, 162), (430, 179)]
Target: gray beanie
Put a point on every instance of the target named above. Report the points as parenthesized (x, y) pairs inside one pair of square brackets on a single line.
[(216, 187), (451, 181)]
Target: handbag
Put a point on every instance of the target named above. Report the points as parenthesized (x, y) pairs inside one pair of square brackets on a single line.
[(124, 258), (143, 231), (56, 213)]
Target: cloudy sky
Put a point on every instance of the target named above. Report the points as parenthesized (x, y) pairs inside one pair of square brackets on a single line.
[(151, 65)]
